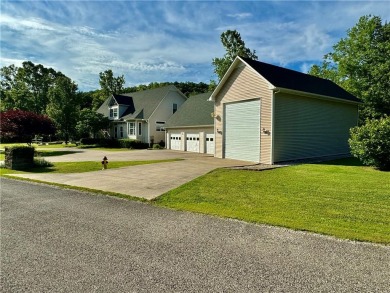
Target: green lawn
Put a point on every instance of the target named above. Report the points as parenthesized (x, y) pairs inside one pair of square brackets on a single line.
[(51, 146), (81, 167), (339, 198), (56, 146)]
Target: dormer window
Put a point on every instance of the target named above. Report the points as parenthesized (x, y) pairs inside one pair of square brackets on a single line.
[(174, 108), (114, 112)]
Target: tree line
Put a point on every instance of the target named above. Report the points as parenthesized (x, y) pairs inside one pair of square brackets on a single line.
[(44, 91)]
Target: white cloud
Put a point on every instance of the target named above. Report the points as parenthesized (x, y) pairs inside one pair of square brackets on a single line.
[(171, 40), (240, 16)]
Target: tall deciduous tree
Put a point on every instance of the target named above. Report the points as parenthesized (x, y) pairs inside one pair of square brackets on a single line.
[(110, 84), (90, 123), (64, 106), (235, 46), (360, 64), (22, 126), (26, 87)]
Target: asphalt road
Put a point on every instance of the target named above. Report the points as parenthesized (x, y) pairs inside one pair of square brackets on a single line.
[(56, 240)]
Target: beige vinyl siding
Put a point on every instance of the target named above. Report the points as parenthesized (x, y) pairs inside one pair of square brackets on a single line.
[(245, 84), (308, 127)]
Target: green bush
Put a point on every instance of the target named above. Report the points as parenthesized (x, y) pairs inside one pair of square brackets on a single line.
[(109, 143), (89, 141), (113, 143), (371, 143), (157, 146), (42, 163), (132, 144)]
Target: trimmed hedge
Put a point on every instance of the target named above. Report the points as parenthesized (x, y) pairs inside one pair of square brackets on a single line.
[(19, 157), (114, 143)]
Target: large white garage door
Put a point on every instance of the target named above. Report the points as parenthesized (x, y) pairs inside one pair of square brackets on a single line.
[(175, 142), (193, 143), (242, 131), (210, 143)]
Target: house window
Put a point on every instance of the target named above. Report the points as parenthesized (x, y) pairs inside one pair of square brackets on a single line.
[(139, 128), (174, 108), (114, 113), (160, 125), (131, 128), (121, 131), (115, 132)]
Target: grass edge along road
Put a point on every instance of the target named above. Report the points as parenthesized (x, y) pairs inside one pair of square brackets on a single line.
[(338, 198)]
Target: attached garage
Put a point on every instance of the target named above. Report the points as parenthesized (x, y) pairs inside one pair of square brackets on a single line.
[(269, 114), (242, 130), (191, 128)]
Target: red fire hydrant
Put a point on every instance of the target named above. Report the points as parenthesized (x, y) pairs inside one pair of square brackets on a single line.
[(104, 163)]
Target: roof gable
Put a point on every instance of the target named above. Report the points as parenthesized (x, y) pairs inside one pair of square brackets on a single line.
[(145, 102), (196, 111), (286, 79), (140, 105)]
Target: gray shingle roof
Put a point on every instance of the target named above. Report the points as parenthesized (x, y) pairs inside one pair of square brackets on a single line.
[(196, 111), (140, 104), (123, 100), (289, 79)]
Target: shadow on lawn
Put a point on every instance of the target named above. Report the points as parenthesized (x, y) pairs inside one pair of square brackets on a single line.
[(353, 162), (55, 153), (40, 170)]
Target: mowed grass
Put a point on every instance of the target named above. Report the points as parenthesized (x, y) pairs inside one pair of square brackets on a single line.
[(81, 167), (339, 198)]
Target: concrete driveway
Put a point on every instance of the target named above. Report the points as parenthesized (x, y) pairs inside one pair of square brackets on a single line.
[(147, 181)]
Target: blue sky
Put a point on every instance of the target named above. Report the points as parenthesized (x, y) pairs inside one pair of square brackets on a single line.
[(150, 41)]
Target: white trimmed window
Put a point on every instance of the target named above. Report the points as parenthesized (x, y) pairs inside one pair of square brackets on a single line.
[(114, 112), (131, 128), (139, 128), (160, 125)]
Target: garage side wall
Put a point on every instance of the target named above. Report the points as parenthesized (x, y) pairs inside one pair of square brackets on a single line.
[(309, 128), (245, 84)]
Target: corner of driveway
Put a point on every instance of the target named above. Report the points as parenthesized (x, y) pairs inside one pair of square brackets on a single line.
[(146, 181)]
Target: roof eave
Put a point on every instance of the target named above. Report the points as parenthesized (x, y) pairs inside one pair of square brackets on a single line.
[(290, 91), (227, 74), (225, 77)]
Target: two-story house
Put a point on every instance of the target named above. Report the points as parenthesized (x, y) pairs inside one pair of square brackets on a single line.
[(142, 115)]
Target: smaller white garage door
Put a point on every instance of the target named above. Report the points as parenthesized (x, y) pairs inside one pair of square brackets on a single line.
[(210, 146), (175, 142), (193, 143)]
